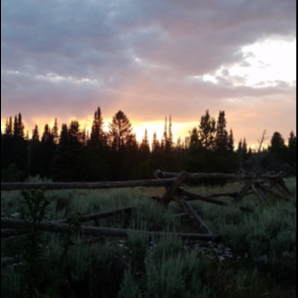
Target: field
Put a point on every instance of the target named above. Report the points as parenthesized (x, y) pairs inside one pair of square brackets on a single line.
[(256, 258)]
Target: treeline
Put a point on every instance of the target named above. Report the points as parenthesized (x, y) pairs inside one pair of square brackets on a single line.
[(71, 154)]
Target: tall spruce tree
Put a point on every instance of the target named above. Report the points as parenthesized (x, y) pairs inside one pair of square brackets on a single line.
[(34, 154), (221, 138), (68, 160), (292, 152), (48, 147), (120, 136), (97, 157), (19, 144), (155, 160), (207, 131)]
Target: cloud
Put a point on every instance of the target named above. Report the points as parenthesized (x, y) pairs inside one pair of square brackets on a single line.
[(147, 58)]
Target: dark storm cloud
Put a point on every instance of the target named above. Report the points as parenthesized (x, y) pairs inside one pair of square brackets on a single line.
[(74, 55)]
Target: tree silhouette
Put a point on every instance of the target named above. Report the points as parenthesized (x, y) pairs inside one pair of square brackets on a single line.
[(48, 147), (97, 157), (207, 131), (35, 159), (121, 141)]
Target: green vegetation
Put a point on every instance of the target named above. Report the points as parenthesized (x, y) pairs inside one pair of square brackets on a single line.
[(256, 259)]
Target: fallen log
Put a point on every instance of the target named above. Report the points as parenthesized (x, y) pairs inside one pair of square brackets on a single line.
[(98, 215), (162, 175), (85, 185), (100, 231), (6, 233), (192, 214), (260, 195), (192, 197)]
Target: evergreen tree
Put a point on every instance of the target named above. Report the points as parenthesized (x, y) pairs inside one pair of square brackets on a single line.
[(221, 138), (230, 143), (68, 159), (60, 164), (120, 136), (170, 134), (55, 132), (291, 153), (142, 170), (19, 144), (48, 147), (7, 145), (144, 147), (277, 146), (97, 157), (8, 127), (35, 160), (207, 131), (120, 131), (155, 160)]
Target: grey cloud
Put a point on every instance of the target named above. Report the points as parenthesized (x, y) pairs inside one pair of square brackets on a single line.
[(100, 40)]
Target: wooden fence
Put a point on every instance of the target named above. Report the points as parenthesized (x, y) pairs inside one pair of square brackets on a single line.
[(257, 183)]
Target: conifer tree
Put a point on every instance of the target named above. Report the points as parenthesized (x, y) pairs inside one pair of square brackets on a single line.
[(35, 161), (55, 133), (221, 138), (207, 131), (155, 161), (97, 156), (120, 131), (48, 147), (277, 145), (19, 144), (292, 152), (120, 138)]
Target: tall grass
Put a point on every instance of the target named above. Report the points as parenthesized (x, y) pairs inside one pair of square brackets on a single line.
[(262, 246)]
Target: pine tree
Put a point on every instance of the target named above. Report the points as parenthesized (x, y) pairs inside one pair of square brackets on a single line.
[(35, 161), (60, 167), (19, 145), (291, 152), (120, 131), (221, 138), (120, 136), (207, 131), (277, 145), (97, 156), (155, 161), (8, 127), (48, 147), (55, 132)]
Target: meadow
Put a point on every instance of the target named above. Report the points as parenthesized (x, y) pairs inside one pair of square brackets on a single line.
[(255, 258)]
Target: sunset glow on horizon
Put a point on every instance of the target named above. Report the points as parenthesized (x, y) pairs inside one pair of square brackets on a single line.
[(151, 60)]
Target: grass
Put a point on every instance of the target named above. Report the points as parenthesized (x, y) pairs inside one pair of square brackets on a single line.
[(256, 259)]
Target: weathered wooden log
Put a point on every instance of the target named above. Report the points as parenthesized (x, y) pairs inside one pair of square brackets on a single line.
[(192, 214), (260, 195), (169, 194), (243, 191), (198, 211), (98, 215), (85, 185), (5, 233), (160, 174), (192, 197), (100, 231), (282, 184)]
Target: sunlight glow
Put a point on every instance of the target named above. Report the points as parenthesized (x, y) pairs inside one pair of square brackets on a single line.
[(267, 63)]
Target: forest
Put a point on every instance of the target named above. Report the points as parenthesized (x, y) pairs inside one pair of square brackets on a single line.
[(71, 154)]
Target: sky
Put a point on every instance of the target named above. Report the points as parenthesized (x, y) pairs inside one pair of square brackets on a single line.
[(151, 59)]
